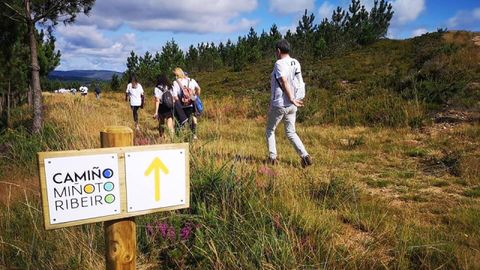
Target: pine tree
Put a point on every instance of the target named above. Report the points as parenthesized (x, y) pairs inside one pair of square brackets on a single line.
[(240, 55), (304, 34), (191, 59), (48, 58), (252, 46), (132, 65), (115, 83), (31, 12), (274, 33), (171, 57), (229, 53), (146, 69)]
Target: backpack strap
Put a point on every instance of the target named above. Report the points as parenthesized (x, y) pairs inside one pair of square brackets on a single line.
[(183, 97), (163, 88)]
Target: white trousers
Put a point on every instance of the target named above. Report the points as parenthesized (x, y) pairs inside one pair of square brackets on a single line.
[(289, 115)]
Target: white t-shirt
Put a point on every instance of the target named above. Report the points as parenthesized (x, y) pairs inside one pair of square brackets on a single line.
[(286, 67), (135, 94), (190, 83), (83, 89), (158, 93)]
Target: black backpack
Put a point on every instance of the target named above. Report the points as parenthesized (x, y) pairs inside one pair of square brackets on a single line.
[(167, 97)]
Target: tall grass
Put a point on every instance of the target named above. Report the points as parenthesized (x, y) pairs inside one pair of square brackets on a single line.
[(371, 200)]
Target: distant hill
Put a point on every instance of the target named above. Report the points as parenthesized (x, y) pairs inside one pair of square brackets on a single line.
[(82, 75)]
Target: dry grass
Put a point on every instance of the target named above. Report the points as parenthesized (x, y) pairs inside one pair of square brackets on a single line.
[(374, 198)]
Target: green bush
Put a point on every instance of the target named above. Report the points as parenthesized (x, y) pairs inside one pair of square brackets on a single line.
[(21, 146)]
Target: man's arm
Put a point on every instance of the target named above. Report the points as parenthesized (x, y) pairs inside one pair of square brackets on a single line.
[(196, 87), (285, 86)]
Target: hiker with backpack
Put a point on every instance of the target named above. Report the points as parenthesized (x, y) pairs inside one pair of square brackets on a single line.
[(134, 92), (187, 91), (287, 93), (164, 105), (97, 91)]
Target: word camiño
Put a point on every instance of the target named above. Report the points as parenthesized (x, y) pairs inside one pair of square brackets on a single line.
[(90, 175), (73, 192)]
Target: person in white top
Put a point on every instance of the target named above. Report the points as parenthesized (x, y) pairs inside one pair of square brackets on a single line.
[(83, 90), (187, 90), (134, 92), (283, 104)]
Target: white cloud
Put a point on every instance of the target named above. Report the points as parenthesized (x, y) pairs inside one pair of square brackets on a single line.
[(85, 47), (419, 32), (91, 42), (83, 36), (189, 16), (284, 29), (212, 24), (291, 6), (465, 19), (326, 10), (407, 10)]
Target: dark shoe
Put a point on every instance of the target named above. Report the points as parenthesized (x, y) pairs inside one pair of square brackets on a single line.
[(272, 161), (306, 161)]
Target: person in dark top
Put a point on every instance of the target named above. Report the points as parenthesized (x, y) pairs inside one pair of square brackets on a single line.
[(163, 113), (97, 91)]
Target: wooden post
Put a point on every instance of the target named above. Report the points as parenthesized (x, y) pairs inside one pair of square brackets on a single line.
[(120, 234)]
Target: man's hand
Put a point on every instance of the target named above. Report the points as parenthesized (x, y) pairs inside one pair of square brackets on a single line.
[(285, 86), (297, 102)]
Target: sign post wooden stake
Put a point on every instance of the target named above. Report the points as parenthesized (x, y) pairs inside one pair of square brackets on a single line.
[(120, 235)]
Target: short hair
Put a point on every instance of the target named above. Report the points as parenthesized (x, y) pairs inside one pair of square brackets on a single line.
[(283, 46)]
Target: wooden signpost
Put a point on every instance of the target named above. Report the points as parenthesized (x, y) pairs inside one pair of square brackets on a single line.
[(120, 235), (113, 184)]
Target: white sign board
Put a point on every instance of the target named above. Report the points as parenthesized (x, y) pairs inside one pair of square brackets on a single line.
[(82, 187), (86, 186), (155, 179)]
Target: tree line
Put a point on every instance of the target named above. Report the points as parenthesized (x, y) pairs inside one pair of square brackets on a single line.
[(15, 72), (345, 30), (27, 54)]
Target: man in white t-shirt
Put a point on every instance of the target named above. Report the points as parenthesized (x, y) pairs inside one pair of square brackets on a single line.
[(283, 104), (186, 99)]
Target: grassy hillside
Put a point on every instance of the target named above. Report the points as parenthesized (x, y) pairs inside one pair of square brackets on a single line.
[(391, 83), (380, 194), (82, 75)]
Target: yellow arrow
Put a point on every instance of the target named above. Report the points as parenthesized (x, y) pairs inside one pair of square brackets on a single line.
[(156, 166)]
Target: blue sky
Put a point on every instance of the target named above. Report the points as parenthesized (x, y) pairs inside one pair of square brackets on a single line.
[(104, 39)]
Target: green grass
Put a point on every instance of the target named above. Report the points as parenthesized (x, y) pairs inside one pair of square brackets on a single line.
[(244, 215), (378, 183), (473, 192), (416, 152), (379, 195)]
